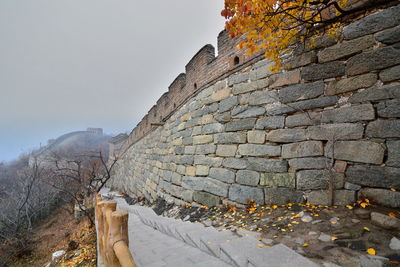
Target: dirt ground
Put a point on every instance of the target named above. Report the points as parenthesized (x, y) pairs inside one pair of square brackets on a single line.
[(61, 231), (335, 234)]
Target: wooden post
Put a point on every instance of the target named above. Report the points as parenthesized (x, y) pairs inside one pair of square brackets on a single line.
[(100, 226), (108, 208), (120, 240)]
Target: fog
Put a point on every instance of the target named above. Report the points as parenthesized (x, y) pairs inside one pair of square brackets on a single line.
[(66, 65)]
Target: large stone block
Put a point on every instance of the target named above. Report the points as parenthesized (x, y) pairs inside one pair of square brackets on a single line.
[(318, 179), (260, 73), (226, 150), (238, 78), (202, 170), (320, 102), (256, 137), (281, 196), (202, 139), (205, 149), (266, 165), (222, 174), (221, 94), (382, 196), (239, 125), (377, 59), (308, 163), (278, 180), (242, 88), (383, 128), (285, 78), (242, 193), (241, 112), (323, 71), (262, 97), (205, 160), (215, 187), (259, 150), (390, 74), (302, 149), (376, 93), (228, 103), (301, 60), (206, 199), (389, 36), (230, 138), (301, 91), (374, 176), (349, 114), (393, 153), (235, 163), (337, 131), (212, 128), (359, 151), (287, 135), (193, 182), (303, 119), (268, 123), (373, 23), (345, 49), (321, 197), (389, 109), (247, 177), (351, 84)]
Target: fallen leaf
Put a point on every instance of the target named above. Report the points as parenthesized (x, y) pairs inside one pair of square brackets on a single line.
[(371, 251), (366, 229), (393, 189), (305, 245), (349, 207), (333, 238), (392, 214), (260, 245)]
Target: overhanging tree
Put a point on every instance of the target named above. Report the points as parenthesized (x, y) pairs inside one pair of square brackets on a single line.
[(273, 26)]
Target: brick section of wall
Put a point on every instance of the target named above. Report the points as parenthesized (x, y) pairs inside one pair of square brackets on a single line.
[(277, 138)]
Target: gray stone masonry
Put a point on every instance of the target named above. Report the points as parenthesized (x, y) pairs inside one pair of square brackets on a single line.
[(274, 137)]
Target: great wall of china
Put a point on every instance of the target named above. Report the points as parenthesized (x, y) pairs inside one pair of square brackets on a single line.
[(229, 130)]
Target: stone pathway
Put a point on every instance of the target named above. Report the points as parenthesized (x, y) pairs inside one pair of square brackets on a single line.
[(161, 241)]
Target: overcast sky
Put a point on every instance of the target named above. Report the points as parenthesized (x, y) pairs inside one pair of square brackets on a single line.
[(70, 64)]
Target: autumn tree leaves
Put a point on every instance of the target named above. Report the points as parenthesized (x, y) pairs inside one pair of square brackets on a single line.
[(273, 26)]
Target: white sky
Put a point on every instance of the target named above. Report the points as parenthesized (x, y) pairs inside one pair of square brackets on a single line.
[(70, 64)]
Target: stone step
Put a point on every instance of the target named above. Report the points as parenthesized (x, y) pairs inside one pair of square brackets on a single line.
[(240, 250), (213, 242), (279, 255)]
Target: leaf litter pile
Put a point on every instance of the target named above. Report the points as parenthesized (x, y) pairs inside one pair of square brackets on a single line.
[(324, 234), (61, 231)]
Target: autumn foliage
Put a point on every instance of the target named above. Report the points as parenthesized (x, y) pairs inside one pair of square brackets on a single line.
[(272, 26)]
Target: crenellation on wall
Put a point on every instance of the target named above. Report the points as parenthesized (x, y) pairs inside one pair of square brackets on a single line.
[(247, 133)]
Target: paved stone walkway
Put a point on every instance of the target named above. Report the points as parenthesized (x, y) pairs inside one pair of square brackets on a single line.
[(159, 241)]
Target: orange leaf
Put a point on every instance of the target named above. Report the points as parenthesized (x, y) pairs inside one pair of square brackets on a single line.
[(371, 251), (392, 214)]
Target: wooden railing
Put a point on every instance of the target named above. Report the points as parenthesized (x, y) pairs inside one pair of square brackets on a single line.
[(113, 235)]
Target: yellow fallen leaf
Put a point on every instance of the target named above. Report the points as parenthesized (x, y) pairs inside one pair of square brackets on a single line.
[(393, 189), (364, 205), (333, 238), (274, 206), (260, 245), (371, 251), (366, 229), (349, 207), (305, 245), (392, 214)]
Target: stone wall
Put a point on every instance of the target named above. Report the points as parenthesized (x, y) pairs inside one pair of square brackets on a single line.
[(276, 138)]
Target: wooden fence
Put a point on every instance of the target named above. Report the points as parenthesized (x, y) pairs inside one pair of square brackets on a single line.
[(112, 235)]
